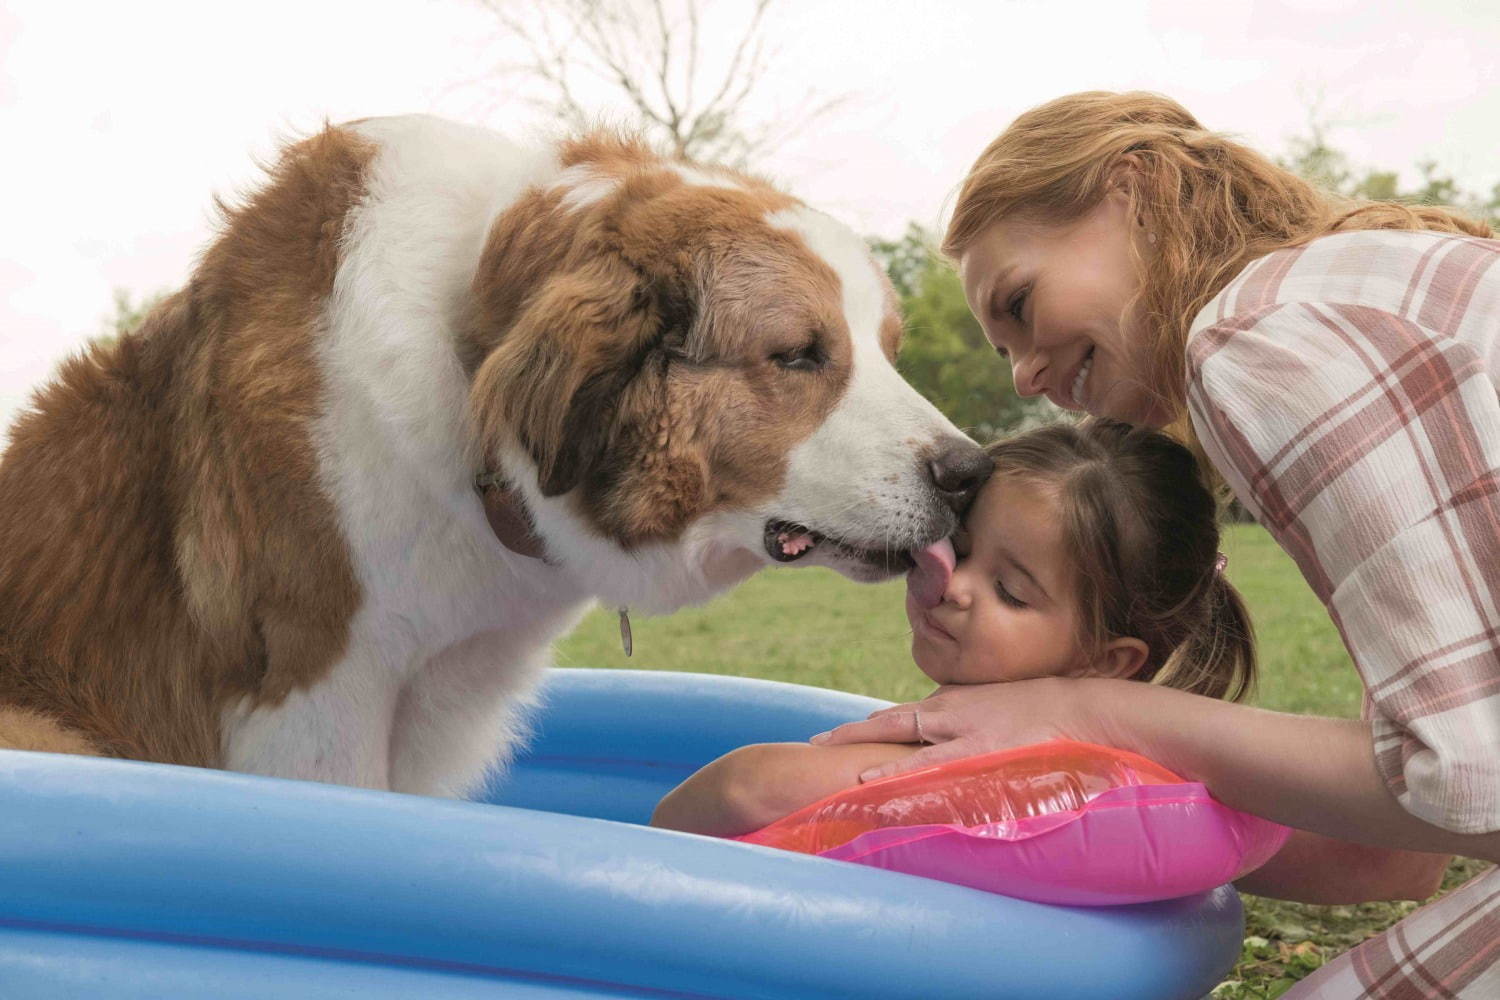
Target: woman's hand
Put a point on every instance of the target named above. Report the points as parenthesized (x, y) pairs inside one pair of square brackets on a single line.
[(968, 719)]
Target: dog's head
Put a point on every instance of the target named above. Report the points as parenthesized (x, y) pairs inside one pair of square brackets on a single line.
[(691, 366)]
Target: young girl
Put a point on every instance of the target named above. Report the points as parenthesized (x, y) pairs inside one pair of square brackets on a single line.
[(1091, 551)]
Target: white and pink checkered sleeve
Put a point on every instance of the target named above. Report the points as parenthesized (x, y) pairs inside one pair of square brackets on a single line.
[(1346, 393)]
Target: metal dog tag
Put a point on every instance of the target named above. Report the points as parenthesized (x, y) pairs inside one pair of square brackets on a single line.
[(625, 639)]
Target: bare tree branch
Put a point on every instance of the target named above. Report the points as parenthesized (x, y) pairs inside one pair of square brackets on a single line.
[(692, 66), (739, 51), (654, 60), (664, 66)]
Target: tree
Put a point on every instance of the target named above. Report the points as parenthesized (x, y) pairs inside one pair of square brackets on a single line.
[(907, 260), (655, 61), (127, 315), (128, 312), (945, 356), (1314, 158)]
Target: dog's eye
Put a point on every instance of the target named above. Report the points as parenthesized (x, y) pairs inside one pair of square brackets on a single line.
[(807, 358)]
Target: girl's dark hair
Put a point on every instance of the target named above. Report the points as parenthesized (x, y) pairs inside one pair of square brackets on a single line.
[(1142, 530)]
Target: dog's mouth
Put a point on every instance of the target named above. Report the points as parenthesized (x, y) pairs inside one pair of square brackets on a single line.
[(787, 542)]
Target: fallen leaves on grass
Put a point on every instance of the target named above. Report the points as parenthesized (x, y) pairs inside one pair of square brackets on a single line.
[(1286, 942)]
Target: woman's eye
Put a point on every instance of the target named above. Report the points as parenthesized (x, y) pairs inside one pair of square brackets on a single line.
[(1016, 307), (808, 358), (1007, 597)]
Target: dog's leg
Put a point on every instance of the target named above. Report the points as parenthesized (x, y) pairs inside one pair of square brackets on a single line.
[(463, 715), (23, 729)]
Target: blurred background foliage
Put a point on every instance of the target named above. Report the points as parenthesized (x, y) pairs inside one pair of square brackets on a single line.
[(945, 354)]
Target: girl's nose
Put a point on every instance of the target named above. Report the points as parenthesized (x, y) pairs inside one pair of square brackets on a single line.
[(959, 592)]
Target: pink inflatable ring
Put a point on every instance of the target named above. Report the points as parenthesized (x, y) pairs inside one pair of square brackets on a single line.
[(1060, 822)]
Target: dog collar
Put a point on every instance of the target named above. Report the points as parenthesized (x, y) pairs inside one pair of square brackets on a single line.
[(509, 519), (511, 522)]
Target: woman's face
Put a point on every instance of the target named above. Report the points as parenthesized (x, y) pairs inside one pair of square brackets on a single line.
[(1053, 300)]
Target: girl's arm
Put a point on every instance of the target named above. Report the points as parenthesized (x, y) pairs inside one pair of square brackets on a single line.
[(1316, 869), (758, 784)]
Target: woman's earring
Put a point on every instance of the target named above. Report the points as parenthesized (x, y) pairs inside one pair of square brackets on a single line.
[(1151, 238)]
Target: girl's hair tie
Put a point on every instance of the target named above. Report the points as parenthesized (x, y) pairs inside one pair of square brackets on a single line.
[(1220, 563)]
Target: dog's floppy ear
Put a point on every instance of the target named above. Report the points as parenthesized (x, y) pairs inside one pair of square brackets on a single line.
[(556, 377)]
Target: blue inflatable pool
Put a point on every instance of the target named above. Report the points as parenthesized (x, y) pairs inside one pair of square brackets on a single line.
[(131, 880)]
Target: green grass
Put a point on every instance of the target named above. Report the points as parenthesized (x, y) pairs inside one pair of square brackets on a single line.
[(1303, 664), (813, 627)]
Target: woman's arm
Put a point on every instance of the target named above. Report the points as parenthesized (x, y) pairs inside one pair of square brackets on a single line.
[(1378, 474), (1312, 773), (758, 784)]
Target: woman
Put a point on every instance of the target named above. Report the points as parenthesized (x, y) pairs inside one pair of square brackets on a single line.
[(1337, 364)]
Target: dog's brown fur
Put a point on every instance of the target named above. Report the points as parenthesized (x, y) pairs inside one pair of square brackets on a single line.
[(164, 546)]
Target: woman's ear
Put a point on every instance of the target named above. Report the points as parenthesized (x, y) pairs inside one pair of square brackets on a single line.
[(1120, 658), (1126, 172), (1124, 183)]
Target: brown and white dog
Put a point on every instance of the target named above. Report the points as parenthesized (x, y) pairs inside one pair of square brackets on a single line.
[(249, 534)]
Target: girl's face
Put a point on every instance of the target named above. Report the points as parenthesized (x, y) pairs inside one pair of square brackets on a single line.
[(1009, 612), (1053, 300)]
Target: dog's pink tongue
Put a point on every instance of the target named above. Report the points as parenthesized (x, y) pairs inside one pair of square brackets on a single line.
[(929, 578)]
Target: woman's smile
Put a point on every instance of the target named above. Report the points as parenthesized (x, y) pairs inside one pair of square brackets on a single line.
[(1071, 340), (1079, 400)]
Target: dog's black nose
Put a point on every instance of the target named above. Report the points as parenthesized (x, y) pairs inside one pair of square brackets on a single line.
[(959, 469)]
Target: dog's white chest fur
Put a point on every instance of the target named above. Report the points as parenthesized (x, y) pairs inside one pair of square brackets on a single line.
[(453, 629)]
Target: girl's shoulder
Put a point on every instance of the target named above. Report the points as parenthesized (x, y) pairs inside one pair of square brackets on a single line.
[(1392, 271)]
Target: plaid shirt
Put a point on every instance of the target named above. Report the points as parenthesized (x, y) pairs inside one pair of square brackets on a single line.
[(1346, 390)]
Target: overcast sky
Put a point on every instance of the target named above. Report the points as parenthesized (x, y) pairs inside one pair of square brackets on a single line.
[(123, 119)]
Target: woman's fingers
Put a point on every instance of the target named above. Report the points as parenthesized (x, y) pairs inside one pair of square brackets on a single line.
[(925, 757), (885, 726), (963, 720), (936, 700), (898, 724), (905, 709)]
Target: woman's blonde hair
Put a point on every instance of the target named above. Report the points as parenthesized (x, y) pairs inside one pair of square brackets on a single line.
[(1212, 205)]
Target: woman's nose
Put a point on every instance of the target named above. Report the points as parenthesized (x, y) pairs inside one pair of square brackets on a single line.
[(1027, 374)]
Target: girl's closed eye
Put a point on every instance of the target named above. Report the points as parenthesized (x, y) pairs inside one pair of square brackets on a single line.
[(1006, 596)]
